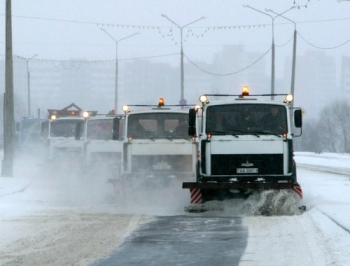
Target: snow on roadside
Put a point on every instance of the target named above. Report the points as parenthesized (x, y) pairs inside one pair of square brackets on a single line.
[(319, 236), (291, 241), (55, 217), (42, 216), (323, 159), (64, 237)]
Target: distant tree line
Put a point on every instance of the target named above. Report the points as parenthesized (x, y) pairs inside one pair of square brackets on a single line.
[(330, 133)]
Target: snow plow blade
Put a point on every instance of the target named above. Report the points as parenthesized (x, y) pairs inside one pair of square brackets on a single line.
[(259, 198), (237, 185)]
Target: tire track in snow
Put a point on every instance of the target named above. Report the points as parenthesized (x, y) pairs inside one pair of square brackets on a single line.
[(334, 221)]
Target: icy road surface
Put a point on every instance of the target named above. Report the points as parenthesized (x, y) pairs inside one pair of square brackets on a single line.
[(55, 219)]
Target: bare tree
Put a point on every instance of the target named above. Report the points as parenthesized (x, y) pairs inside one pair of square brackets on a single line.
[(341, 114), (331, 133), (310, 140), (327, 129)]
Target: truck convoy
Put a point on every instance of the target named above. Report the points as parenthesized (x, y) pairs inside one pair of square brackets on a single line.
[(245, 145), (224, 149), (156, 143)]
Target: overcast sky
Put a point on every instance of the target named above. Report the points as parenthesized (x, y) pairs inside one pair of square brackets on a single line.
[(71, 29)]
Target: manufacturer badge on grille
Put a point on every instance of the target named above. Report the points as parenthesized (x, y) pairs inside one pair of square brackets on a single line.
[(161, 166), (247, 164)]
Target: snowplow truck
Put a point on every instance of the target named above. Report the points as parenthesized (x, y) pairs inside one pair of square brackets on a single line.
[(59, 133), (100, 151), (245, 144), (156, 143)]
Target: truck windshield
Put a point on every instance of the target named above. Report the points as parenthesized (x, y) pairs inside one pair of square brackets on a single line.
[(100, 129), (64, 128), (158, 125), (242, 119), (31, 125)]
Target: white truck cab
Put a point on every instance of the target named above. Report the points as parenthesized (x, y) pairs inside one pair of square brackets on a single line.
[(156, 143), (100, 150), (59, 133), (245, 143)]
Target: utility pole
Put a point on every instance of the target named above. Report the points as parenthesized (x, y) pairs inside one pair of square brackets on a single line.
[(9, 121), (182, 97), (28, 80), (292, 86), (116, 65), (272, 45)]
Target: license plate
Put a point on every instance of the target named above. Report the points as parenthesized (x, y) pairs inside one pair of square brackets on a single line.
[(247, 170)]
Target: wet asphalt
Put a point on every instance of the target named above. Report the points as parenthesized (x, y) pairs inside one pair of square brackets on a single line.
[(183, 240)]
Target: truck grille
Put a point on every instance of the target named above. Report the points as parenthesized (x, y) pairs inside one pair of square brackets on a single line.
[(161, 163), (105, 157), (266, 164)]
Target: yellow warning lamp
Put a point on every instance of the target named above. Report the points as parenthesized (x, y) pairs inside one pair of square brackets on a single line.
[(245, 91), (161, 102)]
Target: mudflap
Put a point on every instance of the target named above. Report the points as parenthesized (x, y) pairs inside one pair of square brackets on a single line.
[(203, 200), (297, 189)]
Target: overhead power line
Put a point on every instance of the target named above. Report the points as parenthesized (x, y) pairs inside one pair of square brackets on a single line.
[(153, 27), (231, 73), (324, 48)]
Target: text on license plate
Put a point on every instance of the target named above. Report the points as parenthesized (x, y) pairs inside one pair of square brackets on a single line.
[(247, 170)]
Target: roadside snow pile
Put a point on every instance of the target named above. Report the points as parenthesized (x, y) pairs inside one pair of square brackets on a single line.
[(323, 159)]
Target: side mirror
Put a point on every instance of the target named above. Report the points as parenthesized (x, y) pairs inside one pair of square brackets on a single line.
[(43, 128), (298, 120), (78, 130), (192, 122), (116, 122), (18, 126)]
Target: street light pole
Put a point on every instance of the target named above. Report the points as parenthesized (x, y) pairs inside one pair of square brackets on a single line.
[(116, 65), (9, 118), (28, 79), (182, 99), (294, 51), (272, 46)]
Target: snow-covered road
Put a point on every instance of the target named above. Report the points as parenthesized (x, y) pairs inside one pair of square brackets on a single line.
[(57, 220)]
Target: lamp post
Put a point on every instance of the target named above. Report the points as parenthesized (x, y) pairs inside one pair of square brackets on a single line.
[(294, 51), (182, 100), (9, 118), (28, 74), (272, 45), (116, 65), (28, 79)]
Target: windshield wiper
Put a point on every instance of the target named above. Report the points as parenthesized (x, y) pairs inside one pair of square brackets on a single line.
[(223, 133), (246, 132), (267, 133)]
